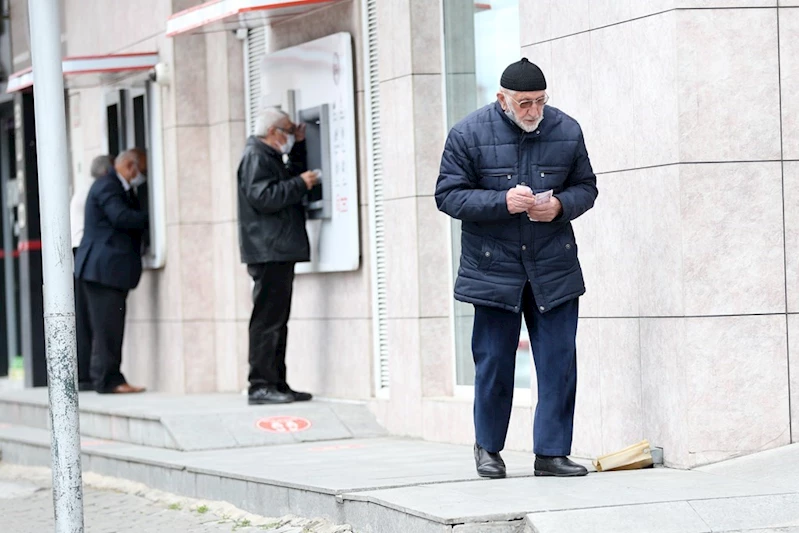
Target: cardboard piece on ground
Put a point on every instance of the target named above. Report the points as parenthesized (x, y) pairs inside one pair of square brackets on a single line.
[(631, 458)]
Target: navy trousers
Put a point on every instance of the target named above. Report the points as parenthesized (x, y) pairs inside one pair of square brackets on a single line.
[(494, 342)]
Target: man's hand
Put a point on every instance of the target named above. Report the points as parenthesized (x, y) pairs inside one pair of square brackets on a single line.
[(519, 200), (310, 178), (299, 132), (545, 212)]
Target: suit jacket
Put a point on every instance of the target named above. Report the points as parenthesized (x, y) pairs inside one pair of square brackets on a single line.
[(110, 251)]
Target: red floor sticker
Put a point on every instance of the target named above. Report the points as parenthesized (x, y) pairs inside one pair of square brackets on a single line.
[(283, 424)]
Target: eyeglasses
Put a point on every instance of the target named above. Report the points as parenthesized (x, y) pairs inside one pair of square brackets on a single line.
[(527, 104), (290, 131)]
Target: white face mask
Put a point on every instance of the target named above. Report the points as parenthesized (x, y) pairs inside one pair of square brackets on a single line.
[(138, 180), (289, 144)]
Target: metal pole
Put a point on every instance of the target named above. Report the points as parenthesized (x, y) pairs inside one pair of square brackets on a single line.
[(57, 268), (8, 245)]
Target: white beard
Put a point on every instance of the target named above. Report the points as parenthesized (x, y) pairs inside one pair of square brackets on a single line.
[(526, 126)]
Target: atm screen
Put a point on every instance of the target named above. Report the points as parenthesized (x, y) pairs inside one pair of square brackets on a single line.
[(317, 144)]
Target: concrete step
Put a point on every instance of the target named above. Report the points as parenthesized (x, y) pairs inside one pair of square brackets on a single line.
[(339, 480), (398, 485), (387, 485), (197, 422), (756, 514)]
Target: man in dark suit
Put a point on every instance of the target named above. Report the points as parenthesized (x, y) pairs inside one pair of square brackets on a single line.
[(108, 265), (102, 165)]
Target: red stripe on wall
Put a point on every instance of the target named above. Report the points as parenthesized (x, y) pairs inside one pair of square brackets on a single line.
[(24, 246), (29, 246)]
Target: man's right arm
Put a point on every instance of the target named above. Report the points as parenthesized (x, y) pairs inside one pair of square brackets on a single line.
[(264, 189), (457, 191), (122, 217)]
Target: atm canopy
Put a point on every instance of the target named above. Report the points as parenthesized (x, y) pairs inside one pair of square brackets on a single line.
[(90, 71), (234, 14)]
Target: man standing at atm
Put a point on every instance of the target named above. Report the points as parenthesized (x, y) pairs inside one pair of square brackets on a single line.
[(108, 266), (273, 181)]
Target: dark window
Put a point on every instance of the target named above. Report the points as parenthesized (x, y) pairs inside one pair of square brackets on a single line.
[(112, 112), (139, 122)]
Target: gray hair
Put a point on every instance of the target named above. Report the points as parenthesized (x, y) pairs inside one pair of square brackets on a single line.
[(102, 165), (267, 118), (127, 155)]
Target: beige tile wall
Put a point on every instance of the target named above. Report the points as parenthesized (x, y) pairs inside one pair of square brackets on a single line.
[(418, 257), (791, 198), (736, 385), (793, 362), (789, 78), (728, 84), (692, 277)]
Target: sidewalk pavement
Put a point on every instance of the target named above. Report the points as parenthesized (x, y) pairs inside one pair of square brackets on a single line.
[(328, 459), (117, 506)]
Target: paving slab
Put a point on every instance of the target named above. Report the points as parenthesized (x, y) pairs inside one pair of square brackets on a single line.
[(778, 467), (767, 530), (760, 512), (333, 467), (357, 464), (672, 517), (198, 422), (508, 499)]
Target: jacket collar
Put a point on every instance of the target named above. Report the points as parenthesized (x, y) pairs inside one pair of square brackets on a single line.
[(122, 181), (258, 145)]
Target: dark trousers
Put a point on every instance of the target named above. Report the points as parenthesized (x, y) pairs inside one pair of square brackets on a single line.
[(83, 333), (106, 306), (494, 342), (271, 297)]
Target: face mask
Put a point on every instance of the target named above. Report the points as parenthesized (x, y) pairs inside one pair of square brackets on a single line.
[(289, 144), (138, 180)]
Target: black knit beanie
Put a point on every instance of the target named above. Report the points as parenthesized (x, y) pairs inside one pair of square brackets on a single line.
[(523, 76)]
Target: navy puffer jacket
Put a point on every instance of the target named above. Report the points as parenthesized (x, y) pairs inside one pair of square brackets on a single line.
[(485, 155)]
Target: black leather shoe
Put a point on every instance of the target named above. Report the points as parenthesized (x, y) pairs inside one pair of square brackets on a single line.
[(268, 395), (84, 386), (298, 396), (558, 467), (488, 464)]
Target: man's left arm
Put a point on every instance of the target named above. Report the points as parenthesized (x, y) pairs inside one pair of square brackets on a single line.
[(580, 192)]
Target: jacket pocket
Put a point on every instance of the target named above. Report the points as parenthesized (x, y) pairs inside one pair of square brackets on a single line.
[(551, 178), (568, 246), (497, 181), (487, 254)]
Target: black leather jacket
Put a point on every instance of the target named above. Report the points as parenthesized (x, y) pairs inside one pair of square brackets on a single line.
[(271, 211)]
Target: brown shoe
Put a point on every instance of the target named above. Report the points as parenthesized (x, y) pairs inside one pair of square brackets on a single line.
[(126, 389)]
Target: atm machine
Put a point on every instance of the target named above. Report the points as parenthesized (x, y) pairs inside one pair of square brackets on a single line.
[(132, 119), (317, 144), (314, 83)]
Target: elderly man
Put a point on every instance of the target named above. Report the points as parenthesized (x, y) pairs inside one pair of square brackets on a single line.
[(108, 266), (272, 238), (102, 165), (516, 172)]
